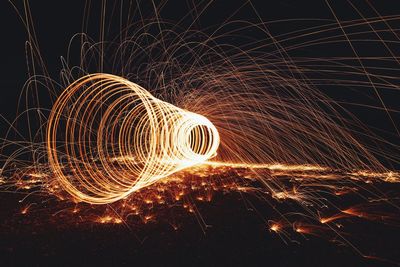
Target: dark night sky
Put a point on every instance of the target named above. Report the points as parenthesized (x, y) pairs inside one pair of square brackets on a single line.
[(237, 236), (56, 22)]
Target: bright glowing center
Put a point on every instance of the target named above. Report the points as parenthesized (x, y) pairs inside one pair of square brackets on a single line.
[(108, 137)]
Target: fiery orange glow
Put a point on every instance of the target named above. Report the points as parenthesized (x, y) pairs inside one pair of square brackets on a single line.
[(118, 138), (176, 129)]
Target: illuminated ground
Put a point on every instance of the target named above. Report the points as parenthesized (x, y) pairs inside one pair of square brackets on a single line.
[(212, 215)]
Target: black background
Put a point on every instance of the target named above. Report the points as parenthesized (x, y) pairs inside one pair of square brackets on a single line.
[(237, 236)]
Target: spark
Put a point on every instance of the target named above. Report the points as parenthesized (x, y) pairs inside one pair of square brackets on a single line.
[(109, 220), (275, 227), (24, 210)]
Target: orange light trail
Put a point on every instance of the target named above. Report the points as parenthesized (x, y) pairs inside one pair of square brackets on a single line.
[(187, 116), (108, 137)]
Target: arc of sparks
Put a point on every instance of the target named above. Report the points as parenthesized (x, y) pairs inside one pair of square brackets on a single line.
[(108, 137)]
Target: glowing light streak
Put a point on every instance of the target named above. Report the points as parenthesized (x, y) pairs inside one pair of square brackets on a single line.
[(135, 138)]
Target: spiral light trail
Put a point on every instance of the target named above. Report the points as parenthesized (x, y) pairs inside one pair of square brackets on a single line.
[(108, 137)]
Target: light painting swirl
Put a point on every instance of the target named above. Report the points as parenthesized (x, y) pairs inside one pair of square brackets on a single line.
[(108, 137)]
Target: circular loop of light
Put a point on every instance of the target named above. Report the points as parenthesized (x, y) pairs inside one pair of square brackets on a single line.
[(108, 137)]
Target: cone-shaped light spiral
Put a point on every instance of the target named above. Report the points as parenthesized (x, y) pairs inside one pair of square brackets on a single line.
[(108, 137)]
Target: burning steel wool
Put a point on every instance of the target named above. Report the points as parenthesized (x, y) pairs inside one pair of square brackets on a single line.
[(118, 138), (185, 117)]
